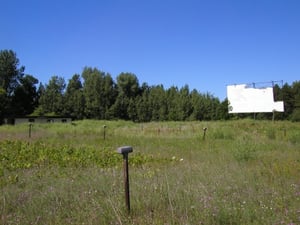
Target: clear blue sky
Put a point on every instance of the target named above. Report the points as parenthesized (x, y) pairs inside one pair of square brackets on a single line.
[(205, 44)]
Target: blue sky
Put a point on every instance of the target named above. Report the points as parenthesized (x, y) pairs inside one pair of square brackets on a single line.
[(206, 44)]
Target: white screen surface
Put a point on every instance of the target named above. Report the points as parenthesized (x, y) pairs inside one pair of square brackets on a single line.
[(243, 99)]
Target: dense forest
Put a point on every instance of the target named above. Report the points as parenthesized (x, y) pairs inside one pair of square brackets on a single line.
[(94, 94)]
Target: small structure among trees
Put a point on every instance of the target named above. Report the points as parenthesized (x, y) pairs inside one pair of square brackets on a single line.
[(46, 119)]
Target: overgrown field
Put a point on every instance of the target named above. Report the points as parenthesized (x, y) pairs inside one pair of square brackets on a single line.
[(240, 172)]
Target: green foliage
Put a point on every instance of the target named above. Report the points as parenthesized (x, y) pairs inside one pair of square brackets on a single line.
[(68, 174), (294, 138), (25, 97), (98, 96), (98, 93), (2, 104), (24, 155), (10, 74), (271, 134), (221, 134), (128, 85), (295, 117), (51, 100), (10, 77), (157, 108), (74, 99), (245, 150)]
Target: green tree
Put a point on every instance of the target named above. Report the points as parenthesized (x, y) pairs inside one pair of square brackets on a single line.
[(196, 106), (109, 95), (277, 93), (25, 96), (51, 100), (2, 104), (39, 111), (128, 89), (93, 79), (132, 109), (223, 110), (158, 104), (185, 105), (74, 99), (296, 93), (214, 108), (287, 96), (119, 109), (99, 93), (143, 107), (10, 75), (128, 85), (174, 105), (204, 106)]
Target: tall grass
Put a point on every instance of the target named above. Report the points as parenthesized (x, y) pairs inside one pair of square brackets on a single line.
[(243, 172)]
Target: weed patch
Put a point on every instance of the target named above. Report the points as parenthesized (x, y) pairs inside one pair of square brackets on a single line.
[(243, 172), (245, 151)]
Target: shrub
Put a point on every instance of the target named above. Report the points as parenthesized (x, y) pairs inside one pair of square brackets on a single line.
[(245, 150), (295, 117)]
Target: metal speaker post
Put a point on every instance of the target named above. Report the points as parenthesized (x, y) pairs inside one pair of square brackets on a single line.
[(125, 150)]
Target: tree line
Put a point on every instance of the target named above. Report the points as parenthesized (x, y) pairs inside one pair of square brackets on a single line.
[(94, 94)]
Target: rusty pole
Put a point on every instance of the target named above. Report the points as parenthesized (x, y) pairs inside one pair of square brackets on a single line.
[(126, 181), (124, 151), (204, 132), (29, 131), (104, 127)]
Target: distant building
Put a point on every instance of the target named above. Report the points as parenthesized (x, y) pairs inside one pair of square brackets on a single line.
[(42, 119)]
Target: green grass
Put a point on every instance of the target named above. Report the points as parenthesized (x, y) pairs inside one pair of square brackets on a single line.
[(243, 172)]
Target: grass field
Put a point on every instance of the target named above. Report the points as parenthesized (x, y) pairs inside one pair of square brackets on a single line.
[(241, 172)]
